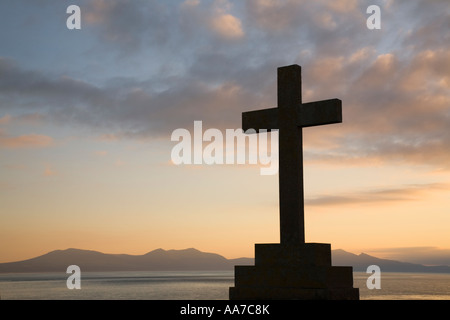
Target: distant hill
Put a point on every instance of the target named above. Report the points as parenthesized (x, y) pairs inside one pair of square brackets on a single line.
[(362, 261), (156, 260), (184, 260)]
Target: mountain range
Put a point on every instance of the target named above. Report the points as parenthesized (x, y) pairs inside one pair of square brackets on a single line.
[(185, 260)]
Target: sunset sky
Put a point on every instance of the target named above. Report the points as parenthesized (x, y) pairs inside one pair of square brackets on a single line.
[(86, 118)]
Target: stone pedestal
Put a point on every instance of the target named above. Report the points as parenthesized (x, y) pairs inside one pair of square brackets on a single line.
[(300, 272)]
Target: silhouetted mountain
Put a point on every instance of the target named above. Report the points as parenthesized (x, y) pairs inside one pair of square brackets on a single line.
[(362, 261), (156, 260), (183, 260)]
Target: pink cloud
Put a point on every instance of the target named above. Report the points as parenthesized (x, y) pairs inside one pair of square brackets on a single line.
[(5, 119), (49, 171), (227, 26), (24, 141)]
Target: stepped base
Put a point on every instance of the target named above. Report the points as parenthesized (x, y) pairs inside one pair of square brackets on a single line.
[(302, 272)]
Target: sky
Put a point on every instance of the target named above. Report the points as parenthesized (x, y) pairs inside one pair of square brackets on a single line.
[(86, 118)]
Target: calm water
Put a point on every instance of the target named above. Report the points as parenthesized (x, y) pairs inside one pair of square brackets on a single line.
[(197, 286)]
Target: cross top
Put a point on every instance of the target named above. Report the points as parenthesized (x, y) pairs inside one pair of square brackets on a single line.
[(290, 117)]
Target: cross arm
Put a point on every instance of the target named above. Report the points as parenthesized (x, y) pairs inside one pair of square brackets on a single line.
[(319, 113), (260, 119)]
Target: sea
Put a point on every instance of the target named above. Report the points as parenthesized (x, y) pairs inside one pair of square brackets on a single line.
[(196, 285)]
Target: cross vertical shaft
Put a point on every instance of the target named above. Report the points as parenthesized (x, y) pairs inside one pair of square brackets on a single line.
[(289, 117), (291, 195)]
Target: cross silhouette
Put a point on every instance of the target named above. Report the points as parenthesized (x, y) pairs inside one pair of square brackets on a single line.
[(290, 117)]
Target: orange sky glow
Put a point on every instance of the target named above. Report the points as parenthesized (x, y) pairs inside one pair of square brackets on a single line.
[(86, 121)]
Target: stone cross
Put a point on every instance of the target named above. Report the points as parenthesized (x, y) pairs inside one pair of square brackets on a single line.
[(289, 118)]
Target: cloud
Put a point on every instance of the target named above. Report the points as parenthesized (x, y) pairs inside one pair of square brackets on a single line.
[(24, 141), (131, 27), (129, 108), (343, 5), (273, 16), (394, 109), (31, 90), (5, 119), (101, 153), (127, 24), (108, 137), (49, 171), (227, 26), (393, 82), (119, 163), (209, 21), (407, 193), (191, 3)]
